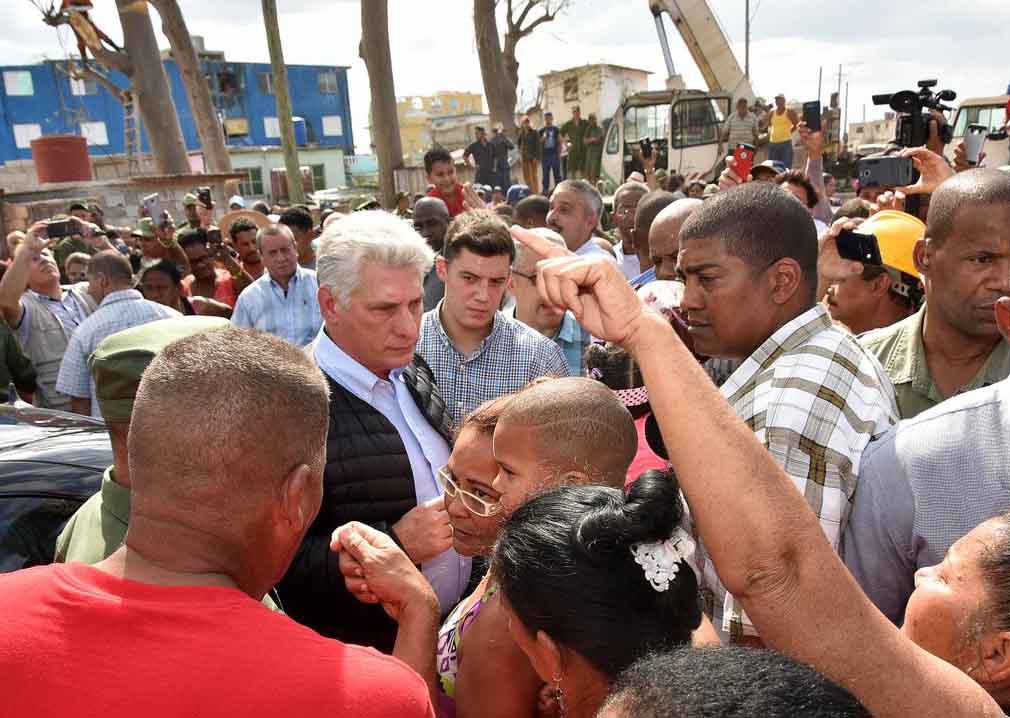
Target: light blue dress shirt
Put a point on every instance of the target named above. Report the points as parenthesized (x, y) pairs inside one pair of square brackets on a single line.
[(292, 315), (427, 451)]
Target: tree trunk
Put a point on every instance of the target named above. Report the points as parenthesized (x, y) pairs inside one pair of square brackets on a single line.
[(296, 193), (151, 89), (385, 127), (208, 126), (499, 84)]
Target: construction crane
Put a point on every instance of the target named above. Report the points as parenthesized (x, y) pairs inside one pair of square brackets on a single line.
[(707, 43)]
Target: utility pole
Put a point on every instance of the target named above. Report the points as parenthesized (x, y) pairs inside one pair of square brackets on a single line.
[(839, 81), (845, 123), (746, 41), (820, 77), (296, 193)]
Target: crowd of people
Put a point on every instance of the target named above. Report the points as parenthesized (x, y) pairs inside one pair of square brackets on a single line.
[(515, 454)]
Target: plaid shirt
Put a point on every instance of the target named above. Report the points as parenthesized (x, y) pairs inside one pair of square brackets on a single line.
[(509, 358), (816, 399), (118, 311), (292, 315)]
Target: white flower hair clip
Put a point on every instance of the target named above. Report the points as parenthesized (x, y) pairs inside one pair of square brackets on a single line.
[(661, 560)]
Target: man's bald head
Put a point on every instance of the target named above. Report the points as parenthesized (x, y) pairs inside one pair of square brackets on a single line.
[(664, 243), (220, 423), (431, 221), (963, 193), (431, 207), (578, 425)]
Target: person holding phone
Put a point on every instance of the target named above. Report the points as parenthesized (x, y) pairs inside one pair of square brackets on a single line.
[(43, 314)]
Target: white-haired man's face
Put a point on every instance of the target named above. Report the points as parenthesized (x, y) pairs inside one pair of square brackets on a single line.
[(380, 325)]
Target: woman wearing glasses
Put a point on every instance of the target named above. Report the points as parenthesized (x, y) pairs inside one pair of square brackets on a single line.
[(552, 433)]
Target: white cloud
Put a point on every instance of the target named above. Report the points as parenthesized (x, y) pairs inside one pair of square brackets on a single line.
[(433, 47)]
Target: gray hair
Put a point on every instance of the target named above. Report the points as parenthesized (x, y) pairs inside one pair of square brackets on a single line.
[(78, 258), (588, 195), (524, 254), (273, 230), (380, 237)]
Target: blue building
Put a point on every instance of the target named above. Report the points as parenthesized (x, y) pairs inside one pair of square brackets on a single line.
[(38, 100)]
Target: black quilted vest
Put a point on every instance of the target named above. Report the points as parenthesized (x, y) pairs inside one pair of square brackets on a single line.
[(368, 479)]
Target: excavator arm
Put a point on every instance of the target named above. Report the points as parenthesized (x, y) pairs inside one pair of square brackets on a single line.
[(707, 44)]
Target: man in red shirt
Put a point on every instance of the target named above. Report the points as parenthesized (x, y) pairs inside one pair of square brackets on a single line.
[(170, 624)]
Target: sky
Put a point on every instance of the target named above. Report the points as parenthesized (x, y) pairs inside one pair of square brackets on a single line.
[(963, 45)]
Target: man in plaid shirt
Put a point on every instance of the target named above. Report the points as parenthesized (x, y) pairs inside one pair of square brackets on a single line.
[(476, 352), (811, 393)]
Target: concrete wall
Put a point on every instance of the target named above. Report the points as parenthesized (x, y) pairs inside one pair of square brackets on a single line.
[(601, 88), (268, 159)]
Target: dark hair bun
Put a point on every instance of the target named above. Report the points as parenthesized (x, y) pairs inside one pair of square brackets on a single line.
[(649, 513)]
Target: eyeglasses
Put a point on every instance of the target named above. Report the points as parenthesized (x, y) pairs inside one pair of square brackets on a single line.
[(473, 504), (531, 277)]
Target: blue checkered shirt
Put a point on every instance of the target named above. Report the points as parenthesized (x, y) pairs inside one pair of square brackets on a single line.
[(292, 315), (118, 311), (571, 339), (509, 358)]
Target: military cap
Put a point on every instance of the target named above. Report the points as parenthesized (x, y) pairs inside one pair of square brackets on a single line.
[(188, 200), (145, 228), (120, 359)]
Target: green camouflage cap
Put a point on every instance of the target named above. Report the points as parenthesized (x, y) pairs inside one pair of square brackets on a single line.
[(189, 199), (145, 228), (120, 359)]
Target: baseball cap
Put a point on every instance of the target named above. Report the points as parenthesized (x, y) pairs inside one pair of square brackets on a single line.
[(773, 166), (517, 193), (119, 361), (188, 200), (237, 200), (145, 228)]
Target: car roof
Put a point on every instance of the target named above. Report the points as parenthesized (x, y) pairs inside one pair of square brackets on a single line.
[(43, 450)]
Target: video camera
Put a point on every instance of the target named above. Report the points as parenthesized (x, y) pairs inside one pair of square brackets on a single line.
[(913, 116)]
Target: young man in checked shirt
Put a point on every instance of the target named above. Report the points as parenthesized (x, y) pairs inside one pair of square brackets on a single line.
[(475, 351), (811, 393)]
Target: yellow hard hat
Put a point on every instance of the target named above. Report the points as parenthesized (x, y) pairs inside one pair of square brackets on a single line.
[(896, 233)]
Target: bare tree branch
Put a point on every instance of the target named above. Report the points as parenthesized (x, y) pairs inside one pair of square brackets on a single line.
[(523, 15), (114, 60)]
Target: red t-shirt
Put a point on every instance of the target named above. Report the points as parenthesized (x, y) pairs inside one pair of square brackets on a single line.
[(454, 203), (76, 641), (224, 287)]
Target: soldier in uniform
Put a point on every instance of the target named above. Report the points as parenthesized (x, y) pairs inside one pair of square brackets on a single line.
[(575, 131)]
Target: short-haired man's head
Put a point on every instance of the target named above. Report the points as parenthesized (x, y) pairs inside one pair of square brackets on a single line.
[(589, 196), (532, 211), (363, 237), (726, 681), (759, 224), (79, 258), (114, 266), (434, 155), (578, 426), (482, 232), (189, 390), (240, 225), (965, 192), (297, 218), (272, 230), (192, 236), (526, 260), (649, 207), (799, 179)]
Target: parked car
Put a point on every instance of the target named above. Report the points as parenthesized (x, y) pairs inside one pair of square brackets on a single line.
[(50, 463)]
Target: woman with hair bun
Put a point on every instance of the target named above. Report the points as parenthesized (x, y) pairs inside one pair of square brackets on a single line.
[(593, 580)]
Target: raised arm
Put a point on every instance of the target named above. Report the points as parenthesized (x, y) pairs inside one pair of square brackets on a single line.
[(766, 544), (15, 280)]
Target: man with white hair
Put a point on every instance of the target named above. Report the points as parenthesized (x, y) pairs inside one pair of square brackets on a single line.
[(558, 325), (389, 431), (576, 207), (283, 300)]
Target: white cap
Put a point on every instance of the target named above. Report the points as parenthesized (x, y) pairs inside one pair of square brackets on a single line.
[(237, 200)]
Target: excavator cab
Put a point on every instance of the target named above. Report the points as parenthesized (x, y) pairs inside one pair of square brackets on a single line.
[(683, 129)]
